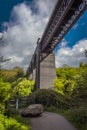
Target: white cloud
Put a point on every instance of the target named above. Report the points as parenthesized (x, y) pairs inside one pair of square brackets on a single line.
[(71, 56), (63, 43), (16, 59), (23, 30), (45, 7)]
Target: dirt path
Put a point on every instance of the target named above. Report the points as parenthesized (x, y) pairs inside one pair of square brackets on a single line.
[(51, 121)]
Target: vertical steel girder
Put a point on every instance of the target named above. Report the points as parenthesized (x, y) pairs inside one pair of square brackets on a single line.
[(37, 82)]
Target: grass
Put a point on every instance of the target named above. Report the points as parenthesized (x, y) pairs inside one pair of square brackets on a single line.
[(16, 115), (78, 116)]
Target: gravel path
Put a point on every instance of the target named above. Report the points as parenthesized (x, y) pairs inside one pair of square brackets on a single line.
[(51, 121)]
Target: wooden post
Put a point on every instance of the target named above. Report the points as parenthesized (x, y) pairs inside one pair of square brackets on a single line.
[(17, 100), (38, 65)]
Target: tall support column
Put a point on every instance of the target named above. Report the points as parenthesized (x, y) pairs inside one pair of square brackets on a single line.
[(47, 72), (38, 65)]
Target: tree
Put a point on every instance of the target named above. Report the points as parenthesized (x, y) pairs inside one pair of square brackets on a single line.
[(85, 53), (5, 90), (58, 85), (12, 75), (65, 66), (81, 64), (24, 88), (80, 90), (2, 59), (20, 72)]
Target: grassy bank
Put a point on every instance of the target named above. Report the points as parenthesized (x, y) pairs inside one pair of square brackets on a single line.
[(75, 109), (77, 116)]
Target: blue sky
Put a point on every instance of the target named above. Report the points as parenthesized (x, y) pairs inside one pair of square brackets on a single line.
[(21, 25), (6, 7), (77, 32), (71, 49)]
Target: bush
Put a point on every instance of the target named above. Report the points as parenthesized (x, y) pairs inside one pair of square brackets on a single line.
[(11, 124), (79, 94), (5, 90), (2, 108), (80, 89), (48, 98), (24, 88), (78, 116)]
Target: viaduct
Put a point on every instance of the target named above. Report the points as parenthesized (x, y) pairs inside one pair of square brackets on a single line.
[(42, 65)]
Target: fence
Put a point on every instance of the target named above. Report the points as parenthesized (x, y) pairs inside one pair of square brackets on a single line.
[(18, 103)]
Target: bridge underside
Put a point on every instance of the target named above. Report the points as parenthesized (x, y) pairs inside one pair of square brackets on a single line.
[(64, 16), (47, 72)]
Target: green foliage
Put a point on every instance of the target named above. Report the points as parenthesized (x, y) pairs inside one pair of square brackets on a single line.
[(24, 87), (11, 124), (17, 116), (2, 108), (85, 53), (72, 82), (78, 116), (12, 83), (48, 98), (12, 75), (68, 87), (82, 65), (58, 85), (66, 79), (80, 90), (13, 88), (5, 90), (69, 97)]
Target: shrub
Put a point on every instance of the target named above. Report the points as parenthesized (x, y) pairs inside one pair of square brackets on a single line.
[(11, 124), (2, 108), (79, 94), (78, 116), (24, 87), (5, 90), (48, 98)]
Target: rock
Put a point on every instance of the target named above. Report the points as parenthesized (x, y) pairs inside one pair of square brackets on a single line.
[(32, 110)]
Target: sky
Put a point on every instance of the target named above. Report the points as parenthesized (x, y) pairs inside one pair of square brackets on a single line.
[(23, 22)]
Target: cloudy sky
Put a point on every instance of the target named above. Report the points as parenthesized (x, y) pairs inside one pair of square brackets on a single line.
[(23, 22)]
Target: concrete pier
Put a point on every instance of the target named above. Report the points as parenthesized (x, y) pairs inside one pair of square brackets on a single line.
[(47, 72)]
